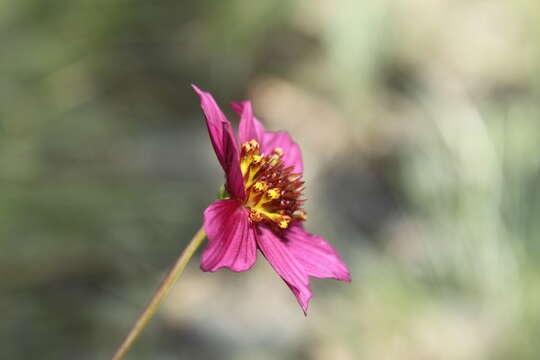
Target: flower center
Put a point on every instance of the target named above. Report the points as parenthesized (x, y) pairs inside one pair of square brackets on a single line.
[(272, 190)]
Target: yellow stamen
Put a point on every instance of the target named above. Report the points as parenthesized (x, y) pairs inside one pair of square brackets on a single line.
[(244, 165), (254, 144), (260, 186), (278, 152), (251, 158), (273, 194), (257, 160), (266, 179), (283, 221), (247, 147)]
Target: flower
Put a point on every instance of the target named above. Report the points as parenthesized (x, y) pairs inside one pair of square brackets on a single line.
[(264, 208)]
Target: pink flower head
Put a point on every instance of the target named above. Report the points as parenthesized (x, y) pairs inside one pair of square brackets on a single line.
[(264, 211)]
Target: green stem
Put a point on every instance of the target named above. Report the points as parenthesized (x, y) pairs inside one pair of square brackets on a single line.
[(160, 294)]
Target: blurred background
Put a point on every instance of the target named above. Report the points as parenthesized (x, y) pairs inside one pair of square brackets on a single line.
[(419, 124)]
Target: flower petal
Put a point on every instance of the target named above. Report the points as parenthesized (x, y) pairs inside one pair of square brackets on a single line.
[(250, 128), (291, 151), (224, 143), (231, 164), (318, 258), (285, 264), (231, 237), (214, 121)]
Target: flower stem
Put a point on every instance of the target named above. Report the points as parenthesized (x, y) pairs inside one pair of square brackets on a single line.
[(160, 294)]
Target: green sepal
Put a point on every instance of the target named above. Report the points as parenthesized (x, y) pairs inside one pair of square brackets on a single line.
[(222, 193)]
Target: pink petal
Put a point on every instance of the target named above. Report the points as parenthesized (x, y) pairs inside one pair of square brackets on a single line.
[(214, 121), (318, 258), (250, 128), (285, 264), (224, 143), (231, 164), (291, 151), (231, 237)]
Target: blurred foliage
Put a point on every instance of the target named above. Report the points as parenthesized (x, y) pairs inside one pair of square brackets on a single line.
[(419, 126)]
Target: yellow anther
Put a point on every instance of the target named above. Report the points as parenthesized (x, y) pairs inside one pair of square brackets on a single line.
[(278, 152), (254, 144), (273, 193), (257, 160), (251, 146), (283, 221), (246, 148), (260, 186), (283, 224)]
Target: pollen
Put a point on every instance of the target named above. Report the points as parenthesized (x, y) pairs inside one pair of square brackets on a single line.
[(251, 146), (278, 152), (246, 147), (254, 143), (260, 186), (257, 160), (283, 221), (273, 193), (273, 190)]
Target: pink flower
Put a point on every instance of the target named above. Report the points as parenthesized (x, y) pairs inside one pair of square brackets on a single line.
[(264, 211)]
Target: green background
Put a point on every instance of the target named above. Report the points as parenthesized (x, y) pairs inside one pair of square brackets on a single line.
[(420, 127)]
